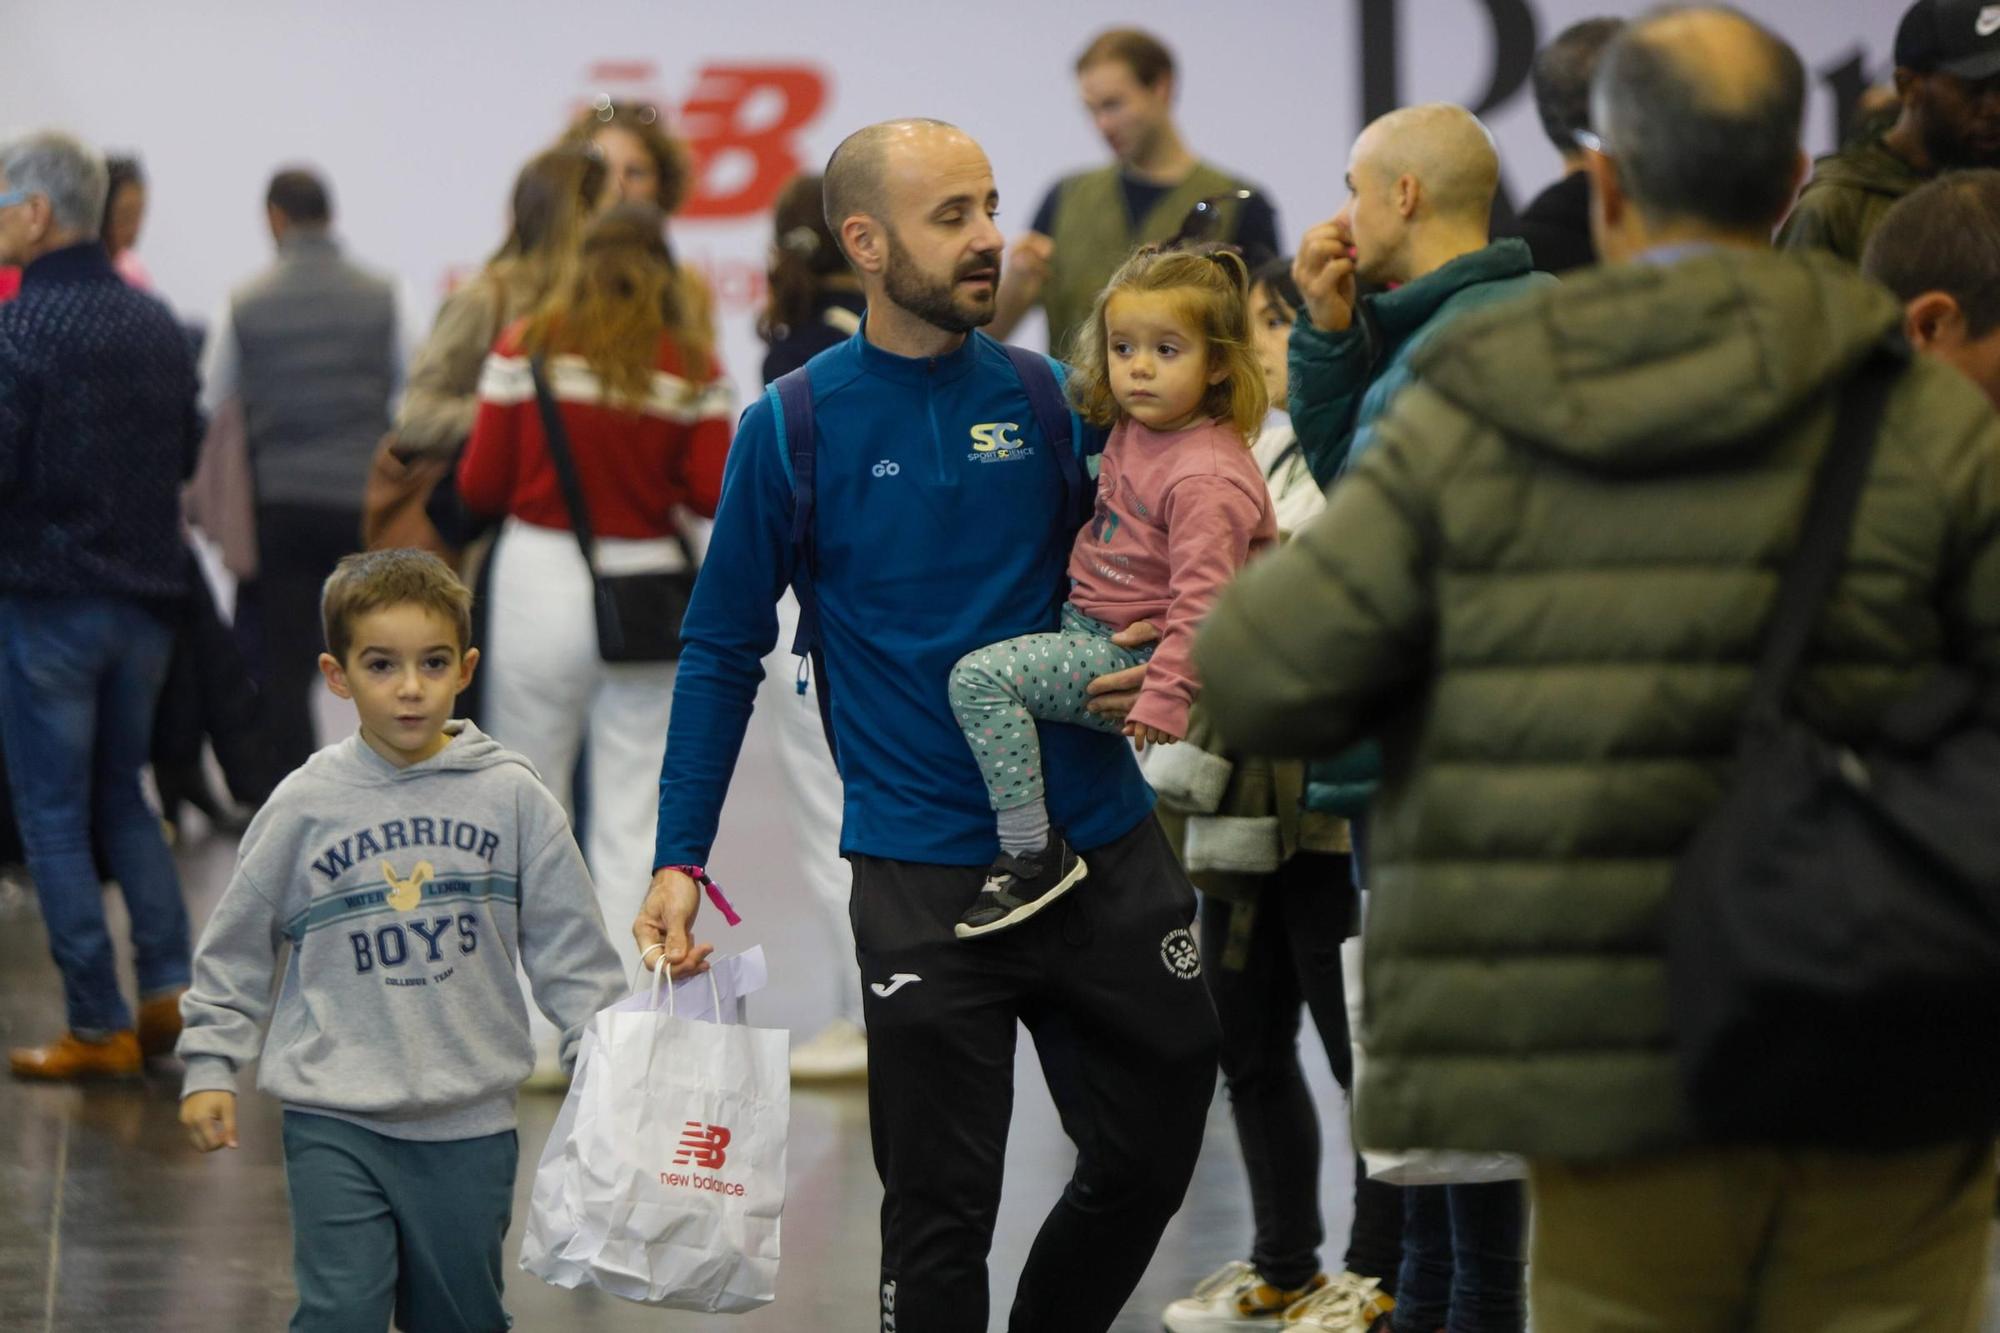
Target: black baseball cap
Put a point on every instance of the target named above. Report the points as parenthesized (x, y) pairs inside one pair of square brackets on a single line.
[(1960, 37)]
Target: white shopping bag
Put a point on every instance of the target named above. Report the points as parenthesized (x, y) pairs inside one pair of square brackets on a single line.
[(1415, 1166), (664, 1177)]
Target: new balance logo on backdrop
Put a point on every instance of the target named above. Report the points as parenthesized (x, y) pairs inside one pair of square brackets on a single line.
[(741, 122), (702, 1146)]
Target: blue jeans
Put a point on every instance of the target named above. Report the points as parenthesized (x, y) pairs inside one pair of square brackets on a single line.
[(1463, 1259), (79, 678)]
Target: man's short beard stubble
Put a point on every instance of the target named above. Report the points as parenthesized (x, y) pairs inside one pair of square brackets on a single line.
[(1942, 144), (938, 304)]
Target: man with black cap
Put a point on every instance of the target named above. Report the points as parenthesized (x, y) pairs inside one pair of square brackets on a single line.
[(1948, 77)]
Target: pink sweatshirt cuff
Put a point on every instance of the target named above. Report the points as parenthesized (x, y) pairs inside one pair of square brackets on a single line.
[(1157, 708)]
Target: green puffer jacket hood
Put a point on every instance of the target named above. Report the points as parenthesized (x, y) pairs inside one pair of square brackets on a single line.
[(1644, 368), (1846, 199), (1870, 167)]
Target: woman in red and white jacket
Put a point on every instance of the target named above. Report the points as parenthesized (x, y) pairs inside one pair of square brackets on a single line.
[(630, 357)]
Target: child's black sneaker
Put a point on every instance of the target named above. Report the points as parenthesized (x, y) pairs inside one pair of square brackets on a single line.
[(1017, 887)]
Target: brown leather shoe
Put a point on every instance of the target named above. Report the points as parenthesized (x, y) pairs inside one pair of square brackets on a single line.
[(70, 1057), (160, 1023)]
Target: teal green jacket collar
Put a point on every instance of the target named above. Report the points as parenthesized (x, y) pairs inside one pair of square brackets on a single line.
[(1406, 309)]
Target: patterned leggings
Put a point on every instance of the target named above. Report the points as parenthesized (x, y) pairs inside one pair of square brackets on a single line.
[(999, 691)]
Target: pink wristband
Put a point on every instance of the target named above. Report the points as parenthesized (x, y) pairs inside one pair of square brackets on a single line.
[(714, 890)]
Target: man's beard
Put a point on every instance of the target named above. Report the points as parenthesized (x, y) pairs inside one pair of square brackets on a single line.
[(1947, 150), (939, 304)]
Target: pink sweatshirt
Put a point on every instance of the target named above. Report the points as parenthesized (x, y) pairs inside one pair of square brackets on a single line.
[(1177, 515)]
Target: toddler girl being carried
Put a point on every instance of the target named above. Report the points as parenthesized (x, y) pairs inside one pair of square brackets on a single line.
[(1167, 362)]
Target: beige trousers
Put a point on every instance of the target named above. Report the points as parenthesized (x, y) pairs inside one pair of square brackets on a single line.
[(1764, 1240)]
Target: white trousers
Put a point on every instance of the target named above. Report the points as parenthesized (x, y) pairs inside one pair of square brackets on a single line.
[(547, 691), (816, 805)]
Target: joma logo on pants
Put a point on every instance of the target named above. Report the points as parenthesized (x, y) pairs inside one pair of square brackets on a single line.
[(702, 1146)]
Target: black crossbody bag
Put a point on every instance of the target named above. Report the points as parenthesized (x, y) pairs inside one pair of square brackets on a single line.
[(1833, 935), (638, 615)]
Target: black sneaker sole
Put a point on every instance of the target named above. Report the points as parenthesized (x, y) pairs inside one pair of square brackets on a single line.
[(1025, 910)]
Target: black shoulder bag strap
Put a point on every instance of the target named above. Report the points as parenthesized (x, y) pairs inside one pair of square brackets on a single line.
[(792, 395), (557, 436), (1814, 567), (1052, 415)]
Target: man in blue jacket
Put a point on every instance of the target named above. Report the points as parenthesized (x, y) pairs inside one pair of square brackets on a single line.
[(931, 542)]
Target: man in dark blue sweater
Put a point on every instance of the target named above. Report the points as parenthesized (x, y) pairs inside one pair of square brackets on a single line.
[(98, 429), (931, 542)]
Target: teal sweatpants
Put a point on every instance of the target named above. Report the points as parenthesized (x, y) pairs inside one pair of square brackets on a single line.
[(400, 1227), (999, 691)]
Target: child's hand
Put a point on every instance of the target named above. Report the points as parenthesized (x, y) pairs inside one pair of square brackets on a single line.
[(210, 1118), (1143, 735)]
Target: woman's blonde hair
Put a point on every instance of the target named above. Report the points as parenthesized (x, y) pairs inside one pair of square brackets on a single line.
[(1211, 287), (625, 293)]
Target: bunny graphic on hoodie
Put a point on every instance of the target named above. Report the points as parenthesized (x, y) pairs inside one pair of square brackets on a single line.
[(408, 897)]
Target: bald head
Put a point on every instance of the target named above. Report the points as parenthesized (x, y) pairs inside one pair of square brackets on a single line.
[(1445, 149), (1700, 109), (860, 176)]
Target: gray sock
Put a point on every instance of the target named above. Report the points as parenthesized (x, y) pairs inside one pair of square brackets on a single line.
[(1025, 828)]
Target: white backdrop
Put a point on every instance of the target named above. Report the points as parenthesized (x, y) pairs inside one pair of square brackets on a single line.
[(419, 111)]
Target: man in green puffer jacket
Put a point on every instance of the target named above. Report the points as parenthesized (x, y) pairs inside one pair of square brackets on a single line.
[(1545, 588), (1420, 185), (1948, 85)]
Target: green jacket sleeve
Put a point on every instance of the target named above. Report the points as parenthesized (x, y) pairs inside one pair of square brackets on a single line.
[(1966, 446), (1824, 220), (1329, 376), (1304, 649)]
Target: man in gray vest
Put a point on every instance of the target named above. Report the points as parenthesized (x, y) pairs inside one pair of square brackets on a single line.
[(1092, 221), (312, 346)]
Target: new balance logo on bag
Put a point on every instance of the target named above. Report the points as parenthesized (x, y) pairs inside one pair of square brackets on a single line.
[(702, 1146)]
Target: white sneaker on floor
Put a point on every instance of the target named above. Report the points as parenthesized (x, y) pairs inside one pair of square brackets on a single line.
[(1235, 1296), (1348, 1304), (837, 1053)]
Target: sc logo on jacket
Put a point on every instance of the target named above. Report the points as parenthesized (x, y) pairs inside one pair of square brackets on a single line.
[(997, 442)]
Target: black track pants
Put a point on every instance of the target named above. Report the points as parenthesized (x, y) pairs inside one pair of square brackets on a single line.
[(1108, 984)]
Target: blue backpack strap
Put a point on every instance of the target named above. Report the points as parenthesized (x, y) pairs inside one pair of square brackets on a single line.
[(791, 403), (1052, 414)]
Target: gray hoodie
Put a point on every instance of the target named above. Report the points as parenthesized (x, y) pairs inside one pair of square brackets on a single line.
[(408, 896)]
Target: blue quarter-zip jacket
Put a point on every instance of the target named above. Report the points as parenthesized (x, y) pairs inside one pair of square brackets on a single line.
[(941, 529)]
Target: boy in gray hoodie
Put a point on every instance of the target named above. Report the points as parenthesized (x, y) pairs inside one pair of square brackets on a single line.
[(411, 868)]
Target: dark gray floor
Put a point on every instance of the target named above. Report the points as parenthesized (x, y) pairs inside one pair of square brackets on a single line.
[(110, 1223)]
